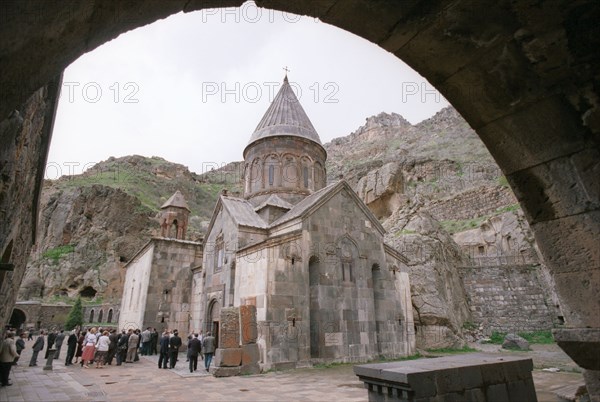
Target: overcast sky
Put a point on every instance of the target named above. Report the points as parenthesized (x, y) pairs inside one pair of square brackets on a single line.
[(192, 88)]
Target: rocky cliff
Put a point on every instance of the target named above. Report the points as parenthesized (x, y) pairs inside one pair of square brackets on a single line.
[(91, 224), (433, 185)]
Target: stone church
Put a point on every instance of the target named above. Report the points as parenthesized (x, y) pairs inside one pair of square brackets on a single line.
[(310, 257)]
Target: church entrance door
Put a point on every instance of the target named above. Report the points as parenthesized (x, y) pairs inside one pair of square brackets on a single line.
[(214, 318)]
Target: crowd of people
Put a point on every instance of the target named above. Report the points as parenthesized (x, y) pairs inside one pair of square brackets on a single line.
[(100, 347)]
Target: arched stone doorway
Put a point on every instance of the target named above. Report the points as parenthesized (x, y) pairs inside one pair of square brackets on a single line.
[(18, 320), (213, 319), (530, 95)]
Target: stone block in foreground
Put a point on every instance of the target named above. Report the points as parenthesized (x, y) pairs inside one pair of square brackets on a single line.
[(473, 376)]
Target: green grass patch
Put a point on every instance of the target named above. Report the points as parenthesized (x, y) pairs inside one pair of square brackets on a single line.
[(503, 181), (464, 349), (56, 253), (452, 227), (509, 208), (468, 325), (539, 337), (535, 337), (497, 338)]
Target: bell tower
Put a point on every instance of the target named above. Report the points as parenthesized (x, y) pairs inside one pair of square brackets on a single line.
[(174, 216)]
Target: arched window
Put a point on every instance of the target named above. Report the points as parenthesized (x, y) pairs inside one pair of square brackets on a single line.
[(231, 283), (305, 176), (100, 314), (174, 229), (271, 175), (110, 316), (347, 254), (92, 315)]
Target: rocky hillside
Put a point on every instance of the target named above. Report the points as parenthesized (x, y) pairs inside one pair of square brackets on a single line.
[(92, 223), (433, 185)]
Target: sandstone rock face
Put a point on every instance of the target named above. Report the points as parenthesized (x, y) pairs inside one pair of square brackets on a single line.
[(438, 297), (84, 236), (507, 234), (382, 189)]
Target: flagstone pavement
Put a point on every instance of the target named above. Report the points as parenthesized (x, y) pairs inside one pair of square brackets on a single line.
[(144, 381)]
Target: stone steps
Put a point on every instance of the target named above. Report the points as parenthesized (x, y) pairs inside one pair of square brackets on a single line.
[(572, 393)]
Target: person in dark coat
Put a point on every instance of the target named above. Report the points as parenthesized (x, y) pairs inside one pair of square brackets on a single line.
[(153, 342), (79, 351), (163, 358), (60, 338), (194, 347), (51, 338), (38, 345), (112, 346), (71, 347), (174, 345), (122, 346), (20, 345)]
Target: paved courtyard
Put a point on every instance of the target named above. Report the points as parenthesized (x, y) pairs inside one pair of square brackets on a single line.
[(143, 381)]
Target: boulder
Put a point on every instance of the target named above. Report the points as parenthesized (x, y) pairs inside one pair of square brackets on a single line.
[(515, 342)]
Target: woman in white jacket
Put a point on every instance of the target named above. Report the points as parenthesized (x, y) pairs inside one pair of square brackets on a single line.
[(102, 349), (89, 347)]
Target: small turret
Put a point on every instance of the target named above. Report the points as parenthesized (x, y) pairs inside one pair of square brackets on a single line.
[(174, 216)]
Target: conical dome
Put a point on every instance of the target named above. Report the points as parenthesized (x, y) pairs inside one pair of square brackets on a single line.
[(285, 116), (285, 156)]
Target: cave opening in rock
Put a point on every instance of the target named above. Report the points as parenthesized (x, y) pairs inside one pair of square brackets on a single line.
[(88, 292)]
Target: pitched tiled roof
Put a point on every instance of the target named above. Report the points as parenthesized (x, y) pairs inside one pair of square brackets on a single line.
[(305, 204), (176, 200), (243, 212), (275, 201), (285, 116)]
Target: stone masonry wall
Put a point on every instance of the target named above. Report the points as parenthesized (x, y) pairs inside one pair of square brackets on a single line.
[(507, 298), (24, 141), (472, 203)]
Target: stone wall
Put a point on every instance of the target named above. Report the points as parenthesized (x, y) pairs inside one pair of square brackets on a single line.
[(106, 313), (24, 142), (472, 203), (43, 316), (508, 298)]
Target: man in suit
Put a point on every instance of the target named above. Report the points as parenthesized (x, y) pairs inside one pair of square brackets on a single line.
[(174, 345), (163, 358), (20, 344), (112, 346), (60, 338), (132, 345), (51, 338), (208, 347), (71, 347), (194, 347), (122, 347), (153, 341), (38, 345)]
